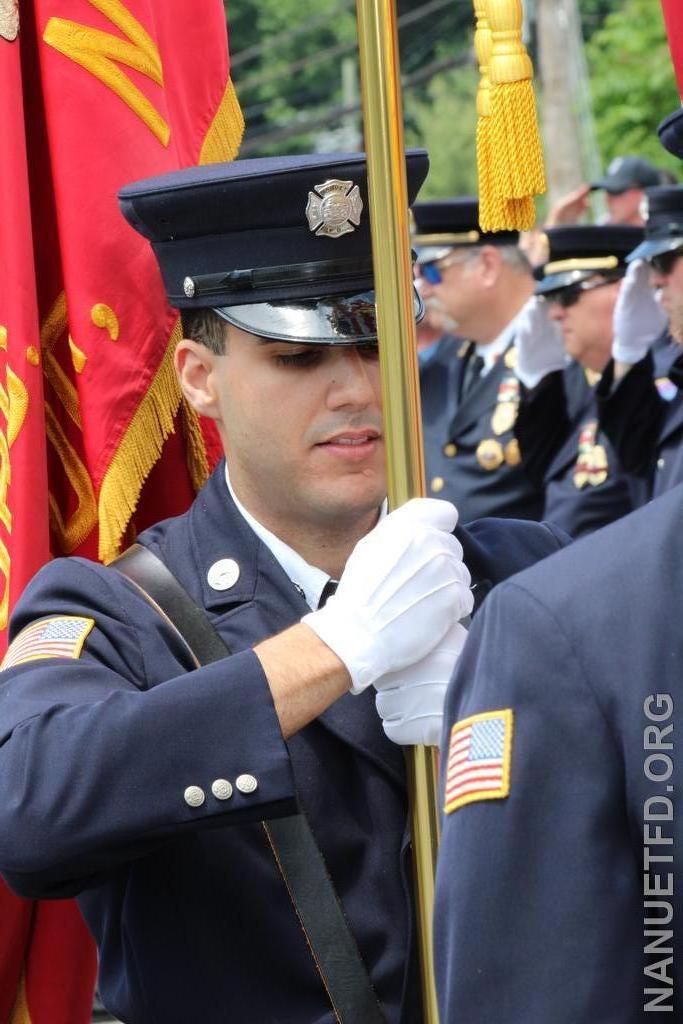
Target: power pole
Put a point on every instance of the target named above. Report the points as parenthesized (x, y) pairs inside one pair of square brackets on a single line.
[(566, 116)]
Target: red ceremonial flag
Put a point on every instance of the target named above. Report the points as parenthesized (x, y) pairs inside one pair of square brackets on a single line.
[(95, 441), (673, 17)]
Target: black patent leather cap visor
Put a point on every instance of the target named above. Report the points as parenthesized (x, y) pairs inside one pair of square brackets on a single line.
[(328, 320)]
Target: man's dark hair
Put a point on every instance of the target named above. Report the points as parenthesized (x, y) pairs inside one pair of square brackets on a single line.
[(206, 327)]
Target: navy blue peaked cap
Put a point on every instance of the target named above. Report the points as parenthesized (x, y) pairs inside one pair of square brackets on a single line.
[(670, 133), (664, 223), (262, 241), (578, 251), (443, 224)]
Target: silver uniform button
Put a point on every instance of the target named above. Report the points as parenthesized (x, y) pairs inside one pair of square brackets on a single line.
[(221, 789), (223, 574), (194, 796), (660, 463), (246, 784)]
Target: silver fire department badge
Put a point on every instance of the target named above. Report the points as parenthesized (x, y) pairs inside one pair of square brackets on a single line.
[(9, 19), (334, 208)]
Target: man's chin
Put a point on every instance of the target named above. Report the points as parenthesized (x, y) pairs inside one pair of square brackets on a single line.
[(349, 501)]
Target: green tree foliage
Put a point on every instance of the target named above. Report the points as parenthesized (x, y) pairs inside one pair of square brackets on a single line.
[(632, 81), (287, 68), (288, 55), (594, 12), (444, 122)]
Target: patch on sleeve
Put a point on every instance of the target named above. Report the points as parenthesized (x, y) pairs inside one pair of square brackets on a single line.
[(58, 637), (479, 756)]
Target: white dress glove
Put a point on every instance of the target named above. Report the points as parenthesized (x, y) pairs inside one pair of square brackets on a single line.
[(404, 585), (538, 341), (410, 702), (638, 318)]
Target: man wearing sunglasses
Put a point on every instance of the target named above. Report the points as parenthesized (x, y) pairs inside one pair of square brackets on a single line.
[(557, 427), (640, 399), (476, 283)]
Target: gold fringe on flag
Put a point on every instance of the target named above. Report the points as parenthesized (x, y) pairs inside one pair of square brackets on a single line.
[(225, 134), (509, 154), (137, 452), (143, 441), (195, 449)]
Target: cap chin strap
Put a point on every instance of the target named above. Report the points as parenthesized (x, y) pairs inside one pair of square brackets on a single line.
[(236, 281)]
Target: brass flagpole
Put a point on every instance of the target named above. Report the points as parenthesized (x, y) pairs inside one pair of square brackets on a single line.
[(383, 121)]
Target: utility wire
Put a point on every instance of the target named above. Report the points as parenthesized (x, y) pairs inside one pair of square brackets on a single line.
[(310, 25), (332, 114), (250, 82), (284, 37)]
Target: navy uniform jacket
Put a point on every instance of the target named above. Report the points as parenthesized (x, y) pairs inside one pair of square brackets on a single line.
[(643, 417), (539, 904), (564, 450), (471, 455), (192, 919)]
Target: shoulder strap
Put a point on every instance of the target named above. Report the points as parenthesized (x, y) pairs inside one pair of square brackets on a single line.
[(296, 851)]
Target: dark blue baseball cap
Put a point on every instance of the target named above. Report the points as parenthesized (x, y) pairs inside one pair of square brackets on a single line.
[(577, 252), (626, 172), (663, 222), (279, 247), (440, 225)]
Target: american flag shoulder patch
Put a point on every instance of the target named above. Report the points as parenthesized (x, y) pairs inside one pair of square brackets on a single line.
[(479, 754), (60, 636)]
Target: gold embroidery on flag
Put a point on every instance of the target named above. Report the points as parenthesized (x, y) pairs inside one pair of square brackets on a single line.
[(104, 316), (3, 338), (5, 477), (20, 1014), (78, 358), (32, 355), (5, 570), (72, 532), (14, 402), (97, 52), (17, 403), (225, 133), (53, 327)]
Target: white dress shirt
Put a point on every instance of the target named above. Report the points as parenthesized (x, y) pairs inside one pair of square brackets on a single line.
[(308, 579)]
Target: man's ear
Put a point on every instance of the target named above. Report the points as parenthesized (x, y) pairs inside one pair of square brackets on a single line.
[(194, 365), (491, 265)]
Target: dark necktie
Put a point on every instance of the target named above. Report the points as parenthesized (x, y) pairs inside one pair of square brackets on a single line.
[(472, 373), (327, 592), (675, 373)]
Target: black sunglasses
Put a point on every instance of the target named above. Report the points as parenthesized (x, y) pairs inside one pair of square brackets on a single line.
[(664, 262), (570, 295)]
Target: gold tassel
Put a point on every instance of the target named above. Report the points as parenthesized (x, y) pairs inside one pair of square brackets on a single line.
[(511, 158), (491, 207)]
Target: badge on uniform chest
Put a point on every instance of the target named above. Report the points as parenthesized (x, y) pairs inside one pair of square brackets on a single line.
[(591, 466)]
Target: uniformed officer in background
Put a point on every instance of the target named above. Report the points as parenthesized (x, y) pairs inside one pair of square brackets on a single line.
[(557, 425), (558, 890), (164, 794), (478, 282), (640, 397)]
